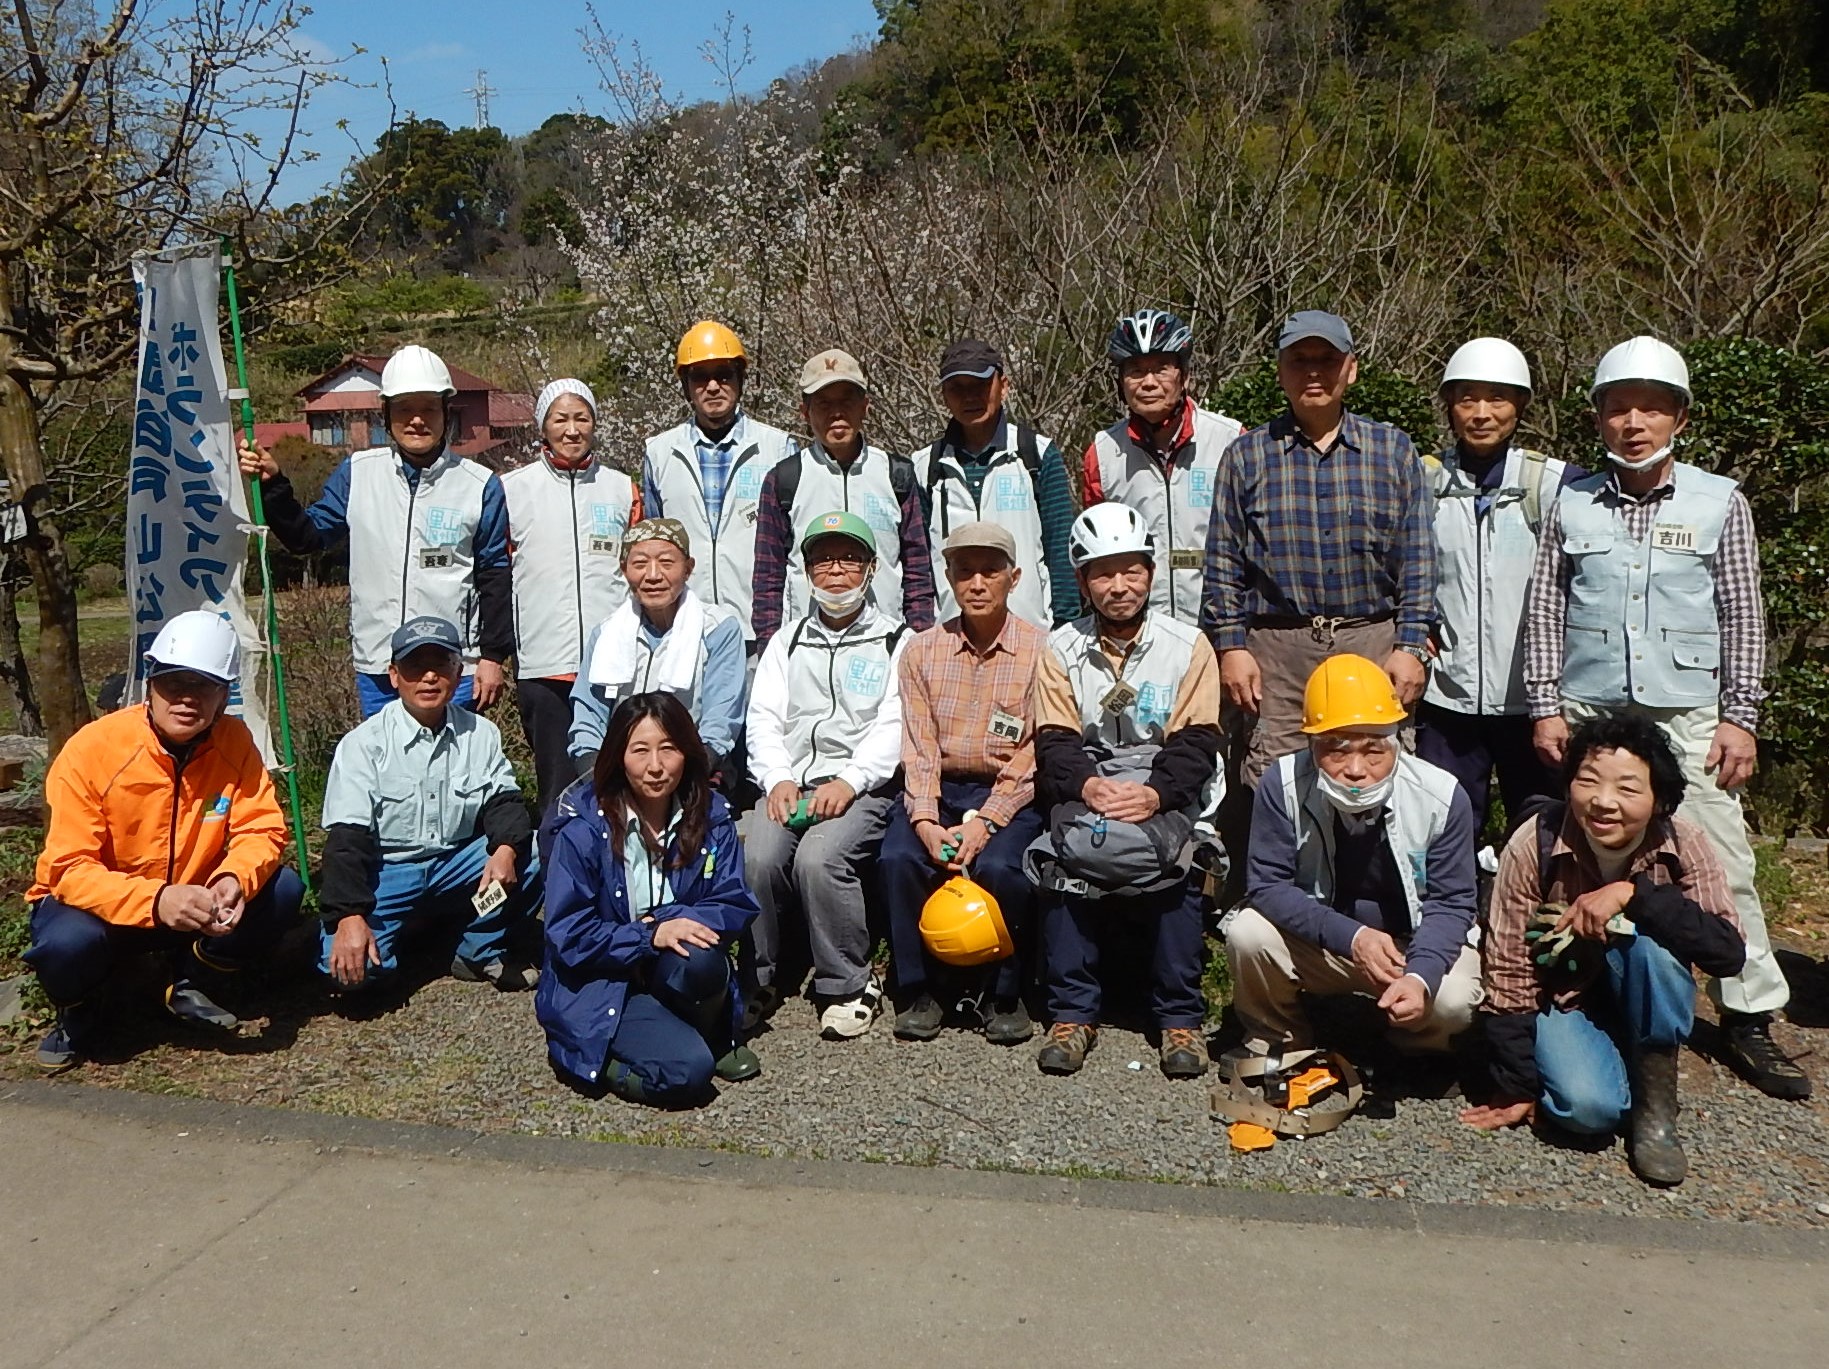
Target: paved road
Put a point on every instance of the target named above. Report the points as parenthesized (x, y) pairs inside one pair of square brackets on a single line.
[(154, 1232)]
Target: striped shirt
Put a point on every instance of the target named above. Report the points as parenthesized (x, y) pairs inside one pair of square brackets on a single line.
[(1678, 854), (1302, 533), (1738, 606), (956, 711)]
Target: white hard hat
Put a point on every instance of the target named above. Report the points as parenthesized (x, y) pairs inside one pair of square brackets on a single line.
[(198, 641), (415, 370), (1642, 358), (1491, 360), (1109, 529)]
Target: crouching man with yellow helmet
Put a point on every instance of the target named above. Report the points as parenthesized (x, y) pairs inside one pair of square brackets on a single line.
[(1360, 877), (1127, 758), (968, 764)]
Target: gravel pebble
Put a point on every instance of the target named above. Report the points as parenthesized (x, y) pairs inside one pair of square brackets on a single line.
[(463, 1055)]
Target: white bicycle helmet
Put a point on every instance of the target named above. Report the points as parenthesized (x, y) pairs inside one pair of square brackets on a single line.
[(1150, 332), (1109, 529)]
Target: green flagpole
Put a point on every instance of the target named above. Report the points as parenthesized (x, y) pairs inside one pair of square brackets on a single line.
[(257, 507)]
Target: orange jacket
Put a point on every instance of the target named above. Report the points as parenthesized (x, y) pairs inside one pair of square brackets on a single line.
[(125, 822)]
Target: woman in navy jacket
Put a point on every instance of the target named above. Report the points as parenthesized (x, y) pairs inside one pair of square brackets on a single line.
[(644, 897)]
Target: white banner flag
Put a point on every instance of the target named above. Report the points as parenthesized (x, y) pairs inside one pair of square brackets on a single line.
[(187, 510)]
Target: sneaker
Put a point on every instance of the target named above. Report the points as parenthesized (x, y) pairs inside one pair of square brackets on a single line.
[(737, 1064), (1747, 1045), (920, 1020), (851, 1017), (509, 976), (758, 1007), (1009, 1024), (57, 1051), (1184, 1053), (191, 1006), (1066, 1048)]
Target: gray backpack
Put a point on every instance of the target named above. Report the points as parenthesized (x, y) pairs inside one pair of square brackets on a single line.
[(1087, 854)]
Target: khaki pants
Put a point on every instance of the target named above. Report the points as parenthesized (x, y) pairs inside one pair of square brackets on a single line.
[(1286, 657), (1270, 972), (1760, 987)]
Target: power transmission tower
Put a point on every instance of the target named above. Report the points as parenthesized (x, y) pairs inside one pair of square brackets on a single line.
[(481, 92)]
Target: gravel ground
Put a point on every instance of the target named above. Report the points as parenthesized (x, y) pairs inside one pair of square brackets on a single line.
[(464, 1055)]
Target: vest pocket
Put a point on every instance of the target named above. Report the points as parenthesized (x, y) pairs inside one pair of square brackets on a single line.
[(1694, 650)]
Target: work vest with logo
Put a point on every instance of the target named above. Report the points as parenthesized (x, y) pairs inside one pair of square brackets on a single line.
[(412, 549), (1421, 797), (565, 529), (865, 488), (1008, 497), (724, 570), (1484, 571), (1641, 625), (838, 680), (1128, 705), (1175, 499)]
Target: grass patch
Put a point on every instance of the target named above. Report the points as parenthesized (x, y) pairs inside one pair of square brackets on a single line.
[(1772, 877), (1216, 980)]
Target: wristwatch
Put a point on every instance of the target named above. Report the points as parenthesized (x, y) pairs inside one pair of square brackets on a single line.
[(1420, 652)]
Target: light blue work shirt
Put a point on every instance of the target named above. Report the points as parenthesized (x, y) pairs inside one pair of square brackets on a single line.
[(650, 885), (421, 792)]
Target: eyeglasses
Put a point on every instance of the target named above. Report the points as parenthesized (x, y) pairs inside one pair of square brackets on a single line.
[(1136, 368), (848, 557)]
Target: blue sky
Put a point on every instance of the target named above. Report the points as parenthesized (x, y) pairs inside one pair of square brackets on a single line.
[(531, 53)]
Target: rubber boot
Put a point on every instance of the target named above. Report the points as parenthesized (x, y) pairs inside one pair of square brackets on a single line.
[(1655, 1148), (712, 1021)]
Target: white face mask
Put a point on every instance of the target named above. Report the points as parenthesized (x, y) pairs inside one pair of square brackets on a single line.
[(1352, 799), (840, 602), (1642, 465)]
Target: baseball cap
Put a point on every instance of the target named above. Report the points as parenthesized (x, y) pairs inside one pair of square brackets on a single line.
[(970, 357), (828, 368), (657, 530), (982, 534), (425, 630), (839, 524), (1316, 323)]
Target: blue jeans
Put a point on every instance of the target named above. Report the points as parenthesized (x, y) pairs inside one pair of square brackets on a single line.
[(909, 876), (439, 889), (74, 951), (1169, 922), (1647, 999), (674, 1030), (375, 692)]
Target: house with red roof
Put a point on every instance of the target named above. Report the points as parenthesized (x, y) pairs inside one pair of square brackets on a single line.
[(342, 409)]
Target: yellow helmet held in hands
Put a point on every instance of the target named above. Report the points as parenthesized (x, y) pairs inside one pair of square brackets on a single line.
[(708, 341), (1349, 691), (962, 925)]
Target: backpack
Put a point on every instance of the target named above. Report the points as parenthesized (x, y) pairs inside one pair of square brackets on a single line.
[(1530, 476), (1028, 451)]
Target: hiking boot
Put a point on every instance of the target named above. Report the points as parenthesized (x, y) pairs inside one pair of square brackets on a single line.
[(737, 1064), (1066, 1048), (920, 1020), (1747, 1045), (508, 976), (191, 1006), (1009, 1024), (1652, 1143), (1184, 1053)]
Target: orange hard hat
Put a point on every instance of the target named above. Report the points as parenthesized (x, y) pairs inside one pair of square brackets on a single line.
[(708, 341), (962, 925)]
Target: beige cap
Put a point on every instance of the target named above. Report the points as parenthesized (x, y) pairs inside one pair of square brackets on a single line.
[(828, 368), (992, 535)]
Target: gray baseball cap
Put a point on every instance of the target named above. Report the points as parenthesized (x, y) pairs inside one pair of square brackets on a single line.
[(425, 630), (1316, 323)]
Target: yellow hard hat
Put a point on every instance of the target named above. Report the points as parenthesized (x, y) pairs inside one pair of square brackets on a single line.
[(708, 341), (1349, 691), (962, 925)]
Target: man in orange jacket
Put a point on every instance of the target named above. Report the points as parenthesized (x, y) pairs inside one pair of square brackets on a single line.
[(165, 834)]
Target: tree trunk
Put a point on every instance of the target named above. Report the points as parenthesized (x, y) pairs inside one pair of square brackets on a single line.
[(64, 700), (15, 673)]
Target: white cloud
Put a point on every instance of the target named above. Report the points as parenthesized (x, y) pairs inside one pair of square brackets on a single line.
[(437, 52)]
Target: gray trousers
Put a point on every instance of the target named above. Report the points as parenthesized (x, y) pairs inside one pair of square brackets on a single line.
[(813, 874)]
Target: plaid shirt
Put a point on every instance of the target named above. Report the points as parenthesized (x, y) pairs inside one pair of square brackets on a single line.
[(714, 466), (949, 692), (1298, 532), (1738, 605), (1509, 978)]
